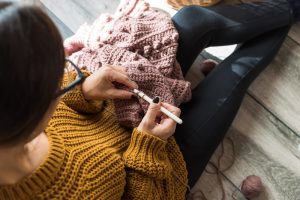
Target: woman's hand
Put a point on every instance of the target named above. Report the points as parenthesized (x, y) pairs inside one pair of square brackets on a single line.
[(99, 85), (158, 124)]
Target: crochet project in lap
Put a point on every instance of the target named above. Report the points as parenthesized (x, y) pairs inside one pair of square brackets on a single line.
[(144, 42)]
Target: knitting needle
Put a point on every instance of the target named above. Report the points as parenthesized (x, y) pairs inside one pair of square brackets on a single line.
[(162, 109)]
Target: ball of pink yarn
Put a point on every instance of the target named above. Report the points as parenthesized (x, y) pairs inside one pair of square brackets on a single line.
[(252, 186)]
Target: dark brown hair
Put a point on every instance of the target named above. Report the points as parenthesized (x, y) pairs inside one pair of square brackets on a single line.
[(31, 67)]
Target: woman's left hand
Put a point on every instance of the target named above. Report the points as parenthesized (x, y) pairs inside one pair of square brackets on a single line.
[(157, 124), (99, 85)]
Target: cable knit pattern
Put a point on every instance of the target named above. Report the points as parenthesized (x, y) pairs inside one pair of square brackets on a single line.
[(144, 42), (92, 157)]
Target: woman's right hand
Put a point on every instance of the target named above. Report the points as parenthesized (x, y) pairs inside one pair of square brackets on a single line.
[(100, 84), (158, 124)]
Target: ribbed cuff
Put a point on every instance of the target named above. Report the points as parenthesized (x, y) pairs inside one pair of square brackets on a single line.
[(146, 153), (76, 100)]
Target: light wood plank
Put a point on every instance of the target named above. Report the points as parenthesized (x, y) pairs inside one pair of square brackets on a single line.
[(194, 75), (64, 30), (290, 146), (295, 32), (277, 88), (74, 13), (211, 188), (264, 147)]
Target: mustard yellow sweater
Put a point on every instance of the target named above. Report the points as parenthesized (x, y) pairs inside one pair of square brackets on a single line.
[(92, 157)]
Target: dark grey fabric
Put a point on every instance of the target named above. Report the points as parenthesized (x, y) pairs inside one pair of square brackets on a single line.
[(261, 28)]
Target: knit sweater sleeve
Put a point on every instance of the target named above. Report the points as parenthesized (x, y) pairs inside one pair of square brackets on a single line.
[(75, 98), (146, 163)]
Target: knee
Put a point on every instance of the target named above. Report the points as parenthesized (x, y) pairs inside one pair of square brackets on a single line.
[(194, 15), (192, 10)]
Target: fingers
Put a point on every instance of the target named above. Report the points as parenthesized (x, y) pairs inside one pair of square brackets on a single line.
[(152, 112), (176, 111), (118, 68), (167, 122), (119, 74), (163, 127), (122, 78), (120, 94)]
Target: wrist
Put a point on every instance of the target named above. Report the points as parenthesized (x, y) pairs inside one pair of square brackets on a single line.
[(86, 91), (146, 131), (85, 86)]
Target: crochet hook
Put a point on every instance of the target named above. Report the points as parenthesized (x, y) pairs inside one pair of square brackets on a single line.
[(162, 109)]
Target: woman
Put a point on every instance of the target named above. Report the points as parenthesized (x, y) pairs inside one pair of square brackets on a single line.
[(58, 139)]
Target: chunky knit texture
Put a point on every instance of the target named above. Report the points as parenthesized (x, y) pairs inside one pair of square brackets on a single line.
[(93, 157), (144, 42)]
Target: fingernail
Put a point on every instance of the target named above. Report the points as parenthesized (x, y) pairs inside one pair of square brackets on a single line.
[(156, 99), (134, 85)]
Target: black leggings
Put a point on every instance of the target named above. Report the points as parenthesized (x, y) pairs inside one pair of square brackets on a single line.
[(262, 28)]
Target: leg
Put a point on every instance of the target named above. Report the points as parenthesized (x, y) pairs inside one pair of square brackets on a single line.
[(226, 24), (217, 99)]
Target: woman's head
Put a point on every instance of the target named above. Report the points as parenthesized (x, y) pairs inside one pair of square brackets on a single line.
[(31, 67)]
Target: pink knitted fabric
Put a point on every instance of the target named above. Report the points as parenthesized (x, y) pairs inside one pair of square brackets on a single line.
[(144, 42)]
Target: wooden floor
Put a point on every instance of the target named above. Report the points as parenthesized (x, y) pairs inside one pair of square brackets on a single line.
[(266, 131)]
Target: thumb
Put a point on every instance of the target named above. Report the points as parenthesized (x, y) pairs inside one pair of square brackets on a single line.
[(152, 112)]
